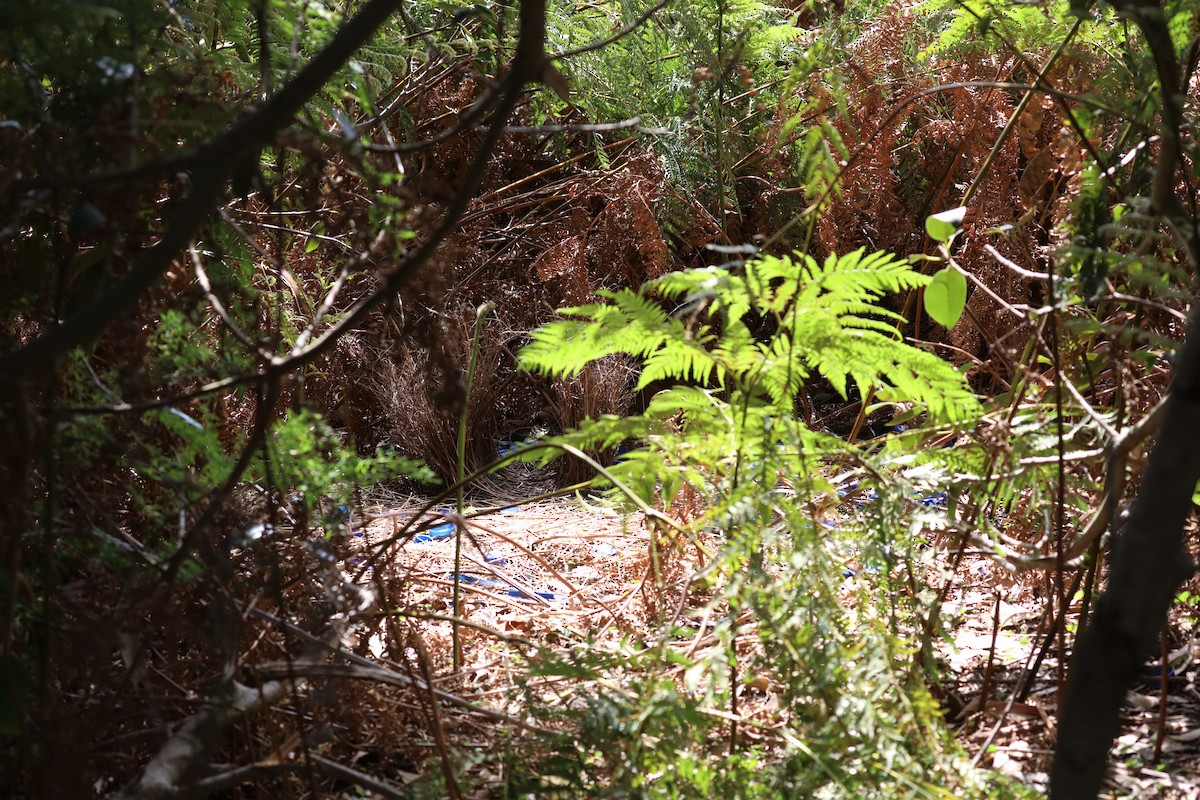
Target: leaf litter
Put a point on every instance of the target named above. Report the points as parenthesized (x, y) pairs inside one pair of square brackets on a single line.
[(541, 573)]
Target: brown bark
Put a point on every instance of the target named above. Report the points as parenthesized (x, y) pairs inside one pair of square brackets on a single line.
[(1148, 565), (1148, 561)]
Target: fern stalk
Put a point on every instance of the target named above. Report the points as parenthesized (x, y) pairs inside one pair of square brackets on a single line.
[(481, 314)]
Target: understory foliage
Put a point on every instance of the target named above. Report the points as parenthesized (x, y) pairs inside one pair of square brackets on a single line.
[(188, 488), (729, 349)]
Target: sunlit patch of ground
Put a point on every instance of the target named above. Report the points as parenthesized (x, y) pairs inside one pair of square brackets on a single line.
[(554, 572)]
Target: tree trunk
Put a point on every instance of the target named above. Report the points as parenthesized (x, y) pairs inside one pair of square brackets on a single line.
[(1148, 565)]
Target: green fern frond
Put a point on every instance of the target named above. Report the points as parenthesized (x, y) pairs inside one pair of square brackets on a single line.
[(817, 167), (630, 323), (738, 352), (877, 325), (687, 360), (828, 317)]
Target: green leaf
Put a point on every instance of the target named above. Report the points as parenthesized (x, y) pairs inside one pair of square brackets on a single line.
[(946, 296), (943, 225), (314, 240)]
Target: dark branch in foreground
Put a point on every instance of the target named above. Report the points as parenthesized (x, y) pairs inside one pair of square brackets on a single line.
[(196, 739), (212, 167), (1149, 561)]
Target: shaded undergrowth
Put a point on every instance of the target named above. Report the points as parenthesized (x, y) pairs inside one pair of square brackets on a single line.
[(181, 519)]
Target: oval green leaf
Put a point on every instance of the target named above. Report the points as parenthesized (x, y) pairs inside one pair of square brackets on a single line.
[(941, 226), (946, 297)]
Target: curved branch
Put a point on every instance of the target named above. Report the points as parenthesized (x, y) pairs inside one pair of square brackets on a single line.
[(192, 745), (219, 307), (465, 122), (1149, 561), (417, 258), (212, 165), (1122, 446), (621, 34)]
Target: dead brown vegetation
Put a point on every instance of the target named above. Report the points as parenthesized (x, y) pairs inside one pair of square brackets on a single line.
[(551, 225)]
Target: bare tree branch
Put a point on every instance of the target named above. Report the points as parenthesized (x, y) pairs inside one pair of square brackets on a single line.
[(219, 307), (625, 30), (213, 164), (192, 745), (230, 778), (1148, 564), (1122, 447)]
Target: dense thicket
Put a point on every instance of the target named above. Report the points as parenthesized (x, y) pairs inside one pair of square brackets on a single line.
[(893, 286)]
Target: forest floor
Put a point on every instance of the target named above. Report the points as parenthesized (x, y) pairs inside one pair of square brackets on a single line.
[(537, 570)]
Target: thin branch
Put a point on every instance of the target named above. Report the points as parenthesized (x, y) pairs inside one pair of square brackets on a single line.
[(1122, 446), (530, 58), (1017, 268), (358, 778), (1109, 430), (599, 127), (1148, 563), (307, 234), (219, 307), (1145, 301), (250, 241), (333, 292), (236, 776), (465, 121), (326, 304), (192, 745), (363, 670), (1011, 125), (418, 257), (1024, 464), (621, 34), (219, 496), (367, 125), (211, 387), (212, 166), (232, 778), (1015, 310), (176, 163), (900, 108)]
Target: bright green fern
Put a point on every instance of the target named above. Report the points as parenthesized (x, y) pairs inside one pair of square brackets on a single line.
[(732, 348), (829, 594), (828, 319)]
